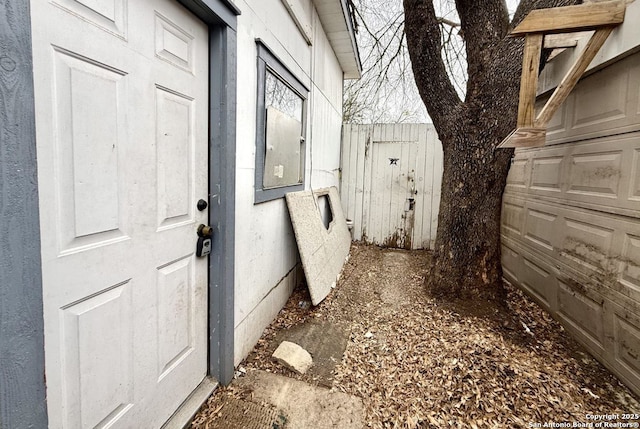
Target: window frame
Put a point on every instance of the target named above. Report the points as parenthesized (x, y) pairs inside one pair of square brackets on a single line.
[(267, 61)]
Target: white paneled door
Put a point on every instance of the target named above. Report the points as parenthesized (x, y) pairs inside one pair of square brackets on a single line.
[(121, 117)]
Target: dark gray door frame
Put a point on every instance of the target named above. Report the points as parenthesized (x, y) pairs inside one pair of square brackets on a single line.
[(22, 370), (22, 378), (220, 15)]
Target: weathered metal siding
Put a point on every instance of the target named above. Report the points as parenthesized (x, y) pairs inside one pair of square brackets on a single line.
[(571, 218), (391, 179)]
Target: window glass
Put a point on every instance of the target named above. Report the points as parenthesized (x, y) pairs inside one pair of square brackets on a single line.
[(280, 96), (280, 132)]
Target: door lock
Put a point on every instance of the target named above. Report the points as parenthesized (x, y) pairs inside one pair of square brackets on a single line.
[(205, 231), (203, 247)]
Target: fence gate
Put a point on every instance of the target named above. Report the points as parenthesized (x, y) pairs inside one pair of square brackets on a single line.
[(390, 188)]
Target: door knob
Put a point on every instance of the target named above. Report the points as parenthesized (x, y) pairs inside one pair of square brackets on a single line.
[(201, 204)]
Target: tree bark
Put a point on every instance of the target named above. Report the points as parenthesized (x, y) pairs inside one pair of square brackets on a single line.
[(466, 260)]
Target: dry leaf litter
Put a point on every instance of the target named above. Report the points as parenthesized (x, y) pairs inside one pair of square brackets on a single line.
[(420, 363)]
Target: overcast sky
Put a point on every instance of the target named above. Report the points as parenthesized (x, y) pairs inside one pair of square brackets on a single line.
[(397, 99)]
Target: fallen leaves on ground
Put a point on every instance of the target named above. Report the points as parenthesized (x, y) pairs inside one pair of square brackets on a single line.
[(417, 362)]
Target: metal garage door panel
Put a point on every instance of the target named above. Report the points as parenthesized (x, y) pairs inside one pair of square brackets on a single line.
[(603, 174), (571, 218), (602, 104)]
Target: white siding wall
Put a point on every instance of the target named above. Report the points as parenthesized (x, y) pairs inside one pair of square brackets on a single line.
[(326, 114), (266, 253)]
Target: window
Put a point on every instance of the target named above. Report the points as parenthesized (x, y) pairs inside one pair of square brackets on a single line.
[(280, 132)]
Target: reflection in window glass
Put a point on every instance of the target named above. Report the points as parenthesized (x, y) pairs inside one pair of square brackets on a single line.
[(281, 97)]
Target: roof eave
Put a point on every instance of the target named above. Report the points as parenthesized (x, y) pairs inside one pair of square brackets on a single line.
[(338, 25)]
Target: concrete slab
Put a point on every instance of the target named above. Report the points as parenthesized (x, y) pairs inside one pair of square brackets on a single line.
[(238, 413), (303, 405), (326, 342), (323, 250)]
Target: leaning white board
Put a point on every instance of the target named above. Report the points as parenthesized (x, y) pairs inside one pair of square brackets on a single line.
[(323, 250)]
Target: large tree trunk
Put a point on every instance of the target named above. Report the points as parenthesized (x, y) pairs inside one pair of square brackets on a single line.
[(466, 261)]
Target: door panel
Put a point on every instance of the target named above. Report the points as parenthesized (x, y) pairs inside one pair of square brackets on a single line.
[(121, 92), (393, 193), (371, 185)]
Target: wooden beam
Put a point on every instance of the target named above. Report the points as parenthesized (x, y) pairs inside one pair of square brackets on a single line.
[(525, 137), (564, 40), (599, 16), (573, 75), (529, 79), (572, 18)]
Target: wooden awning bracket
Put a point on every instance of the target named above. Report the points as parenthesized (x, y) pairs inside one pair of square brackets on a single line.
[(602, 17)]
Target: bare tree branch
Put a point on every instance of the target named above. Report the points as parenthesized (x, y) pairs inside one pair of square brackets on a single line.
[(386, 91), (448, 22)]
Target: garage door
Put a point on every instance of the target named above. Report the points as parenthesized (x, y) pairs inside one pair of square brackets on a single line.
[(571, 218), (121, 115)]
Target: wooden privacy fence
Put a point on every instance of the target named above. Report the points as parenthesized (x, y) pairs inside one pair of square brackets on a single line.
[(390, 186)]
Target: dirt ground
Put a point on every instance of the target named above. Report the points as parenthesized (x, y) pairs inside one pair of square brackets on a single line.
[(420, 363)]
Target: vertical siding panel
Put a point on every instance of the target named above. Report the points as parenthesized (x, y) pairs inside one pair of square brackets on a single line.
[(390, 186), (407, 218), (388, 172), (410, 184), (416, 129), (359, 222), (396, 150), (374, 209), (366, 175), (398, 181), (382, 191), (353, 172), (422, 186), (378, 185), (396, 203), (437, 182), (428, 187), (346, 172), (386, 133), (406, 132)]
